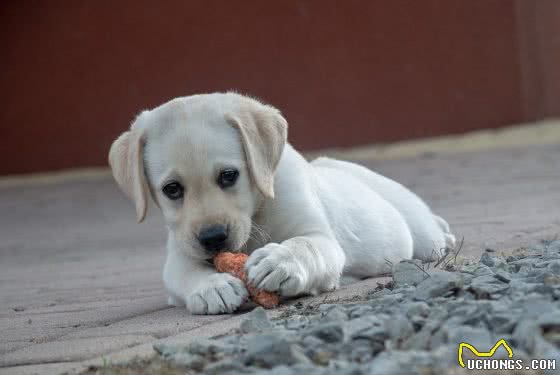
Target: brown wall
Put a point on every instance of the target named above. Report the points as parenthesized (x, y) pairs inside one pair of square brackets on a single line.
[(74, 73)]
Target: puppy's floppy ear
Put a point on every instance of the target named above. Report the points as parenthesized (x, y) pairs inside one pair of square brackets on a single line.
[(126, 159), (263, 133)]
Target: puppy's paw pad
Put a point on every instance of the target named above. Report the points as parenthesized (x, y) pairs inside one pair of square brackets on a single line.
[(219, 294)]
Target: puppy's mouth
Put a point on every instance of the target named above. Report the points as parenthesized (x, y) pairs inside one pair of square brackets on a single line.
[(210, 261)]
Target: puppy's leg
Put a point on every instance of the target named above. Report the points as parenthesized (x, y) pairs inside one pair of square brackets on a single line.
[(199, 287), (300, 265)]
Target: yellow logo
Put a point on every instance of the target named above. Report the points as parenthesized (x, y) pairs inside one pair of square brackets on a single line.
[(501, 342)]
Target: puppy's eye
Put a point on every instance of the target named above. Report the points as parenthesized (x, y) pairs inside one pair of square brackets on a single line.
[(228, 177), (173, 191)]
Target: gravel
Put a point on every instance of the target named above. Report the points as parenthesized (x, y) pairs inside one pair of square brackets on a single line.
[(411, 326)]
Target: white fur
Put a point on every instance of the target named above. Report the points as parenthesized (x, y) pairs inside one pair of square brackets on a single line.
[(327, 217)]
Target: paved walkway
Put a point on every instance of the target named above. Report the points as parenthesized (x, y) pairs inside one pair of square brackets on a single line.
[(80, 280)]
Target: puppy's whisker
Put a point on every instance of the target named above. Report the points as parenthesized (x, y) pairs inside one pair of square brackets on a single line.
[(258, 233), (264, 234), (255, 237)]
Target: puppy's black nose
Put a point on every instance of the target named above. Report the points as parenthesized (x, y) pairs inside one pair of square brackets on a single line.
[(213, 238)]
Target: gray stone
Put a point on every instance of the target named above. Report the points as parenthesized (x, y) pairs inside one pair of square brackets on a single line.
[(356, 326), (360, 310), (337, 314), (392, 299), (486, 286), (547, 350), (398, 327), (537, 275), (304, 368), (255, 321), (267, 350), (553, 246), (209, 347), (346, 369), (322, 356), (278, 370), (408, 272), (471, 314), (296, 322), (550, 321), (378, 334), (166, 350), (554, 267), (479, 337), (226, 366), (503, 276), (438, 284), (405, 329), (439, 337), (416, 308), (523, 265), (233, 340), (438, 313), (324, 307), (491, 261), (551, 280), (502, 322), (421, 339), (360, 350), (418, 341), (521, 287), (482, 270), (191, 361), (525, 334), (311, 342), (417, 322), (536, 305), (411, 362), (328, 332)]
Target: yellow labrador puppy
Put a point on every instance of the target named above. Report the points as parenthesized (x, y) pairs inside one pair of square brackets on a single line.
[(220, 169)]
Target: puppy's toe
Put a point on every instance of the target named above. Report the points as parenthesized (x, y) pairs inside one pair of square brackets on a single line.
[(232, 295), (196, 304), (256, 274), (255, 258), (292, 286), (274, 279), (287, 280), (221, 293), (277, 270)]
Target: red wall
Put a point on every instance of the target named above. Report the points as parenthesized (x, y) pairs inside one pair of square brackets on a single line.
[(74, 73)]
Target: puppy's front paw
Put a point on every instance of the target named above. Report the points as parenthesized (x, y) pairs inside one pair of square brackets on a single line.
[(175, 301), (220, 293), (275, 269)]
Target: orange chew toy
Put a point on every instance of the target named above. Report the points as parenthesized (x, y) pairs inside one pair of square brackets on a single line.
[(234, 263)]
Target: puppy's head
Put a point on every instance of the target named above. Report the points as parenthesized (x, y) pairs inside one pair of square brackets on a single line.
[(208, 161)]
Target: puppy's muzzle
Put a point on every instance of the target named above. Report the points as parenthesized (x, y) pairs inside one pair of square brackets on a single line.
[(213, 238)]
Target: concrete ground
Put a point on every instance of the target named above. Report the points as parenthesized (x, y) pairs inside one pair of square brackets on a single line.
[(81, 281)]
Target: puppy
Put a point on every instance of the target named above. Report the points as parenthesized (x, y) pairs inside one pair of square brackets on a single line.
[(220, 169)]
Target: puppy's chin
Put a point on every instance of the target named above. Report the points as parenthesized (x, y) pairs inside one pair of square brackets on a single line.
[(188, 248), (197, 254)]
